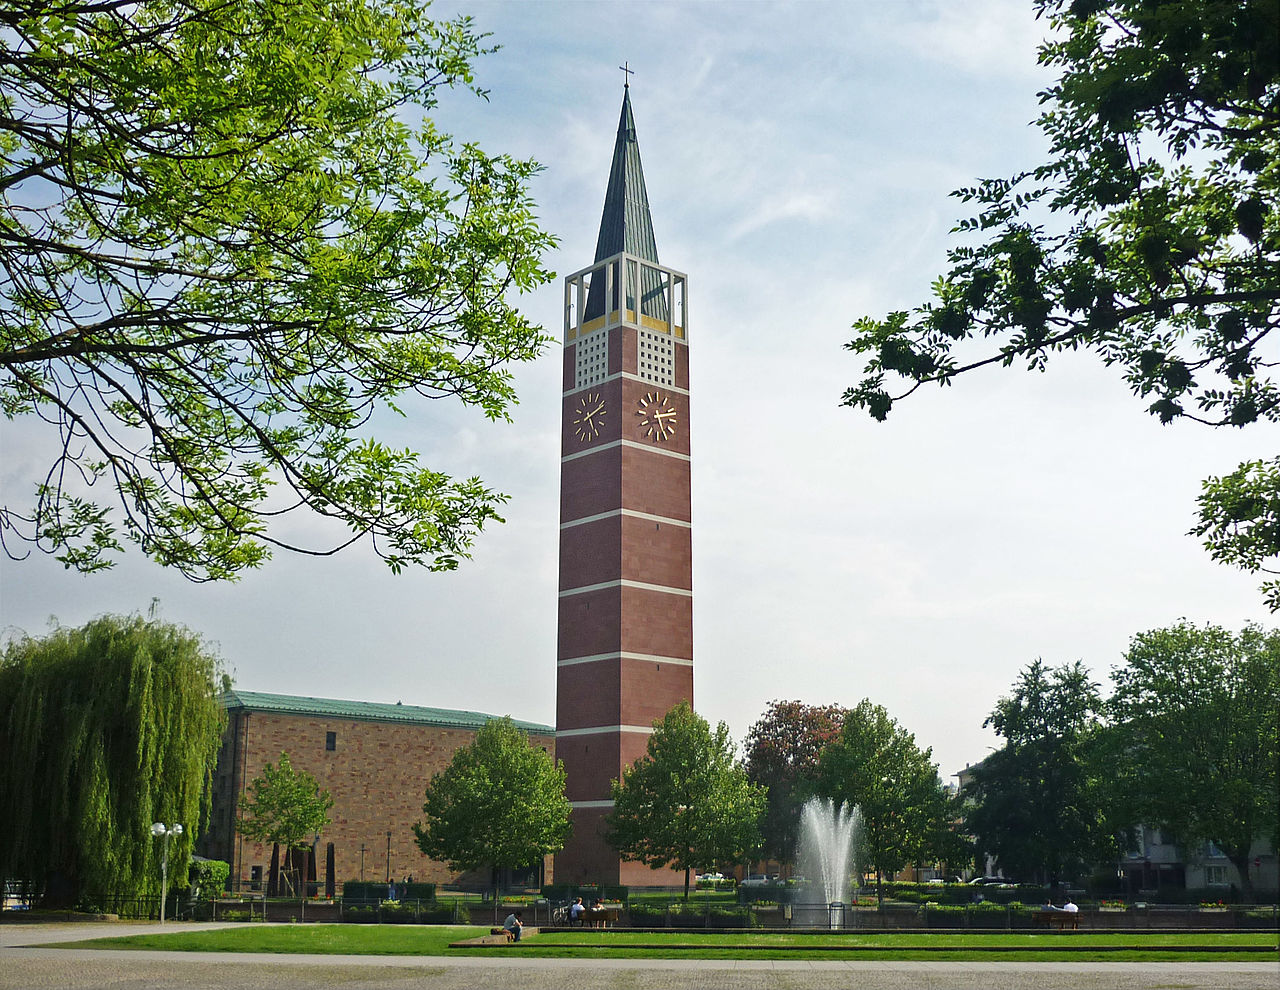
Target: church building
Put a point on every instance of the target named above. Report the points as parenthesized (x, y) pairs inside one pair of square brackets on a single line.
[(625, 639), (373, 759)]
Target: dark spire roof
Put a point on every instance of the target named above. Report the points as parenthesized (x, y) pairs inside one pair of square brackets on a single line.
[(625, 224)]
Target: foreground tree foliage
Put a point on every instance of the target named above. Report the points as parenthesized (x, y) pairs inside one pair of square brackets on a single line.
[(231, 236), (499, 803), (783, 749), (687, 803), (1041, 803), (1198, 716), (877, 765), (104, 730), (1150, 238)]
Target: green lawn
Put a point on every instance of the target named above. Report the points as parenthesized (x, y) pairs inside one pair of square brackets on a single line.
[(434, 940)]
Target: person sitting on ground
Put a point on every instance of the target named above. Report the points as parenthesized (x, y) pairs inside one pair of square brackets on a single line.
[(576, 911), (514, 925)]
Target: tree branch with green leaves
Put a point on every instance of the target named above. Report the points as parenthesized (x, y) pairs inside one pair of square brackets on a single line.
[(232, 234), (1151, 237)]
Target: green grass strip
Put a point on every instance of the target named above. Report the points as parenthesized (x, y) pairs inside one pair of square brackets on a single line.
[(434, 940)]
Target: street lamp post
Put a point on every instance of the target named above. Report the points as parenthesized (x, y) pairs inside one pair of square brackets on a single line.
[(161, 829)]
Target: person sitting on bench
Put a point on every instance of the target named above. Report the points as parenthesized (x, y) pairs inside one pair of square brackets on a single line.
[(514, 925), (576, 911)]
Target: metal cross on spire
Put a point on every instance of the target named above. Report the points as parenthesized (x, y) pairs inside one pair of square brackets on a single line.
[(628, 72)]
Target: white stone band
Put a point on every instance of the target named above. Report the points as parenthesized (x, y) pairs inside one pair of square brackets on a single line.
[(625, 443), (601, 730), (638, 585), (624, 655), (632, 513)]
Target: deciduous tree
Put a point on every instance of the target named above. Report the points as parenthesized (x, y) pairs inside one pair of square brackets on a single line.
[(499, 803), (285, 807), (877, 765), (687, 802), (1150, 237), (104, 730), (232, 235), (1197, 713), (783, 748), (1041, 803)]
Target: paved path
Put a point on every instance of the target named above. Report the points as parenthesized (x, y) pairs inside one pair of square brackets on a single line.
[(24, 963)]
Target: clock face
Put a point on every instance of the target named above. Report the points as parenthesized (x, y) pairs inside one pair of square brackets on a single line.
[(588, 418), (657, 416)]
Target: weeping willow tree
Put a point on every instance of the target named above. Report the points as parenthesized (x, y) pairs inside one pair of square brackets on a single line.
[(104, 730)]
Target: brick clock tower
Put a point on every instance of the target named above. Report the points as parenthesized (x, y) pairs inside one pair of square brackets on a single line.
[(625, 645)]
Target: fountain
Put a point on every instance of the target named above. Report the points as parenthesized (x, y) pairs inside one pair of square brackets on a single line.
[(828, 842)]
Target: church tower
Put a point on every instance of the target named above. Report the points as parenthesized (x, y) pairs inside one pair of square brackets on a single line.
[(625, 643)]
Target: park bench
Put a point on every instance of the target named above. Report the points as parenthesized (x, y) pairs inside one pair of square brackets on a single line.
[(1056, 919)]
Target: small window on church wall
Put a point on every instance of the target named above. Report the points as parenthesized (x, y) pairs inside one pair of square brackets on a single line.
[(330, 741)]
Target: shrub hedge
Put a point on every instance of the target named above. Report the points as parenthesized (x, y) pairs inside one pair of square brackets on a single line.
[(677, 916), (369, 891), (588, 892), (407, 913)]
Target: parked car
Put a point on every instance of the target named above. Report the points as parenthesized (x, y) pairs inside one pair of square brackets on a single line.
[(992, 882), (756, 880), (710, 877)]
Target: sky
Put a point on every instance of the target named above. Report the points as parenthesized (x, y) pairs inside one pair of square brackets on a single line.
[(798, 160)]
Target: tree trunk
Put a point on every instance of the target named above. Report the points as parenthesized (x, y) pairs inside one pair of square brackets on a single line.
[(61, 890), (273, 872), (879, 890), (1241, 862), (297, 872), (686, 882)]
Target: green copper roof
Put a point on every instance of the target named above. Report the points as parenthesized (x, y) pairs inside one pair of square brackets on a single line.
[(365, 711), (625, 224)]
